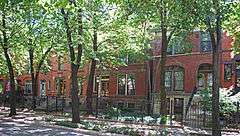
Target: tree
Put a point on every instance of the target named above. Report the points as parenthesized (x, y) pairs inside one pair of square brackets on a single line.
[(69, 18), (10, 26), (210, 15), (104, 40), (38, 30), (75, 59)]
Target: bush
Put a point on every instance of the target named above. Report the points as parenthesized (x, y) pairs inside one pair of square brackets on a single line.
[(163, 120), (227, 103), (112, 112)]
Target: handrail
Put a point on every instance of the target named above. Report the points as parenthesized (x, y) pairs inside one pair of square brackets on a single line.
[(194, 91)]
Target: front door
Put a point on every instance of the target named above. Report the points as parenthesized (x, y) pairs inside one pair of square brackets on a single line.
[(175, 107)]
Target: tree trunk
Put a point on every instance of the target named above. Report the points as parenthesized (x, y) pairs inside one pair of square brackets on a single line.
[(34, 83), (92, 74), (163, 104), (216, 45), (74, 67), (74, 94), (12, 85), (10, 69), (216, 129), (90, 86), (150, 86)]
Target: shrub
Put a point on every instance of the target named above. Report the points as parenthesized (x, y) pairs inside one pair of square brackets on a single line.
[(112, 112), (227, 103), (163, 120)]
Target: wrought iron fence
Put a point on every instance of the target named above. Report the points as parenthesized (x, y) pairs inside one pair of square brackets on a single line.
[(200, 116)]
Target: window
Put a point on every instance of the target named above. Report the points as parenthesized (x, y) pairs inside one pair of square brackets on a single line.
[(60, 86), (210, 79), (102, 85), (121, 84), (130, 58), (168, 80), (126, 84), (175, 48), (131, 85), (49, 85), (179, 45), (204, 76), (28, 87), (120, 104), (205, 45), (227, 71), (174, 79), (96, 85), (42, 87), (131, 105), (178, 80), (60, 63)]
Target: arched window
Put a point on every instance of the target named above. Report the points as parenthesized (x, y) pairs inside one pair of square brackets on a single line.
[(204, 76), (174, 78)]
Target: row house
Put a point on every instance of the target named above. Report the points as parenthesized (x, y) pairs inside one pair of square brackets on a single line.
[(136, 86)]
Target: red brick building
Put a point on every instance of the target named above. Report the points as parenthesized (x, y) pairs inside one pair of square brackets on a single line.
[(129, 86)]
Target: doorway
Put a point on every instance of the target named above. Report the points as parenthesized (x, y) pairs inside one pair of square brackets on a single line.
[(175, 107)]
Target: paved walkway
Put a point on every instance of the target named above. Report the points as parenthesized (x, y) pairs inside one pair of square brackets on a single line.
[(15, 128), (26, 124)]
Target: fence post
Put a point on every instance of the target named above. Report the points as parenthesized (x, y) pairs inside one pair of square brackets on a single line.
[(117, 111), (142, 112), (238, 114), (97, 105), (171, 111), (47, 104), (62, 104), (204, 115), (56, 104)]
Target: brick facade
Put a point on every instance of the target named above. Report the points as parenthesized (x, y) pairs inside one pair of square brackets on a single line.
[(189, 62)]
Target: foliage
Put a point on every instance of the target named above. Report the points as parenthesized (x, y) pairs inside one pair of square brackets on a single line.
[(123, 115), (227, 103), (231, 24), (163, 120), (123, 130), (112, 112)]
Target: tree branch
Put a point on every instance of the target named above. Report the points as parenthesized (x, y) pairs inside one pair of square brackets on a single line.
[(69, 36), (42, 60), (80, 33), (170, 35)]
